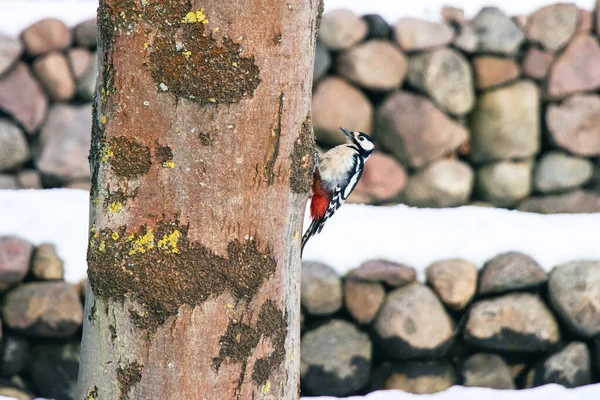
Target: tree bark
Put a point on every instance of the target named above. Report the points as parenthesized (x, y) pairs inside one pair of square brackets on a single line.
[(202, 158)]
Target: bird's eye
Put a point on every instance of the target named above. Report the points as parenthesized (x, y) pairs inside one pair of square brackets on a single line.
[(361, 138)]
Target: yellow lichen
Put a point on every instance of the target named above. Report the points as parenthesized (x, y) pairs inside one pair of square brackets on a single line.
[(296, 234), (195, 16), (107, 153), (169, 164), (115, 236), (212, 100), (146, 45), (234, 64), (216, 30), (266, 388), (169, 242), (130, 237), (103, 119), (102, 246), (187, 54), (143, 243), (115, 207)]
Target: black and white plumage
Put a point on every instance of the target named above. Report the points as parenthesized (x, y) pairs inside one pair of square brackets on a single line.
[(335, 177)]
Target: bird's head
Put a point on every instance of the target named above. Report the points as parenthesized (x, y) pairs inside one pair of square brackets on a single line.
[(361, 140)]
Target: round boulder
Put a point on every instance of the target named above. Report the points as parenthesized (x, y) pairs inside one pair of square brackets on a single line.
[(391, 273), (46, 35), (382, 179), (47, 266), (422, 377), (15, 258), (557, 172), (341, 29), (496, 32), (571, 367), (414, 34), (14, 150), (487, 370), (321, 291), (572, 124), (574, 202), (454, 280), (509, 272), (363, 299), (553, 26), (506, 183)]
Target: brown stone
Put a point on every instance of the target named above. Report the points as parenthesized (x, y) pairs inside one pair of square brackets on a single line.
[(585, 24), (576, 70), (509, 272), (341, 29), (552, 26), (453, 15), (383, 178), (29, 179), (454, 280), (536, 63), (574, 125), (388, 272), (375, 65), (575, 202), (22, 96), (416, 141), (422, 377), (47, 266), (10, 52), (53, 71), (46, 35), (494, 71), (414, 34), (81, 184), (15, 257), (363, 299), (80, 60), (337, 103), (86, 33)]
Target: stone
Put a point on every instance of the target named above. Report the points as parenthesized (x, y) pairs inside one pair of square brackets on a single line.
[(585, 23), (416, 141), (558, 172), (494, 71), (336, 103), (454, 281), (46, 264), (336, 359), (414, 34), (8, 182), (575, 70), (382, 179), (84, 184), (86, 33), (29, 179), (496, 33), (341, 29), (22, 97), (43, 310), (571, 367), (446, 76), (412, 323), (378, 28), (81, 288), (553, 26), (65, 144), (321, 292), (505, 183), (46, 35), (505, 123), (363, 299), (15, 351), (513, 322), (422, 377), (14, 393), (10, 52), (574, 292), (391, 273), (510, 271), (375, 65), (537, 63), (15, 257), (53, 368), (322, 62), (521, 21), (574, 124), (466, 40), (453, 15), (14, 150), (575, 202), (442, 183), (52, 69), (488, 371), (80, 60), (86, 85)]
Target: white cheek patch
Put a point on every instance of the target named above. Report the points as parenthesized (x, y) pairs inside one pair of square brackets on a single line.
[(367, 145)]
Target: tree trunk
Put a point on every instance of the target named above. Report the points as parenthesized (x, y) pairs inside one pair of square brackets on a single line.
[(202, 158)]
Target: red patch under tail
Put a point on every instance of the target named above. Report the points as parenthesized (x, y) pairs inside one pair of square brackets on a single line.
[(321, 198)]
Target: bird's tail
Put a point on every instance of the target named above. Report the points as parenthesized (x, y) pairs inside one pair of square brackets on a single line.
[(312, 229)]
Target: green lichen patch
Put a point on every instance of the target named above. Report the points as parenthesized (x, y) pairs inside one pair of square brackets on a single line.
[(192, 64), (303, 159), (129, 159), (205, 139), (128, 376), (161, 269)]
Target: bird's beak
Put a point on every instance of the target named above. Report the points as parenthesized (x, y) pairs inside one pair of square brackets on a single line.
[(347, 133)]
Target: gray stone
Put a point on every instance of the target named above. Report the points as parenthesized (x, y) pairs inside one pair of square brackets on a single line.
[(15, 350), (416, 141), (557, 172), (65, 144), (46, 35), (322, 62), (414, 34), (446, 76), (15, 257), (553, 26), (510, 271), (453, 15), (378, 26), (43, 309), (572, 124), (46, 264), (413, 324), (574, 292), (53, 368), (422, 377), (576, 202), (80, 62), (86, 85), (488, 371), (10, 52), (86, 33), (454, 280), (466, 40), (375, 65), (363, 299), (505, 183), (336, 359), (341, 29), (336, 103), (513, 322), (571, 367), (14, 150), (505, 123), (321, 289), (391, 273), (442, 183), (8, 182), (496, 33)]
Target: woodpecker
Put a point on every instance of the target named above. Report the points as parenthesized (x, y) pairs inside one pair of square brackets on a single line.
[(335, 177)]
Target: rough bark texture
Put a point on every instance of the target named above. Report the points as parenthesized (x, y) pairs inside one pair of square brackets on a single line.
[(202, 154)]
